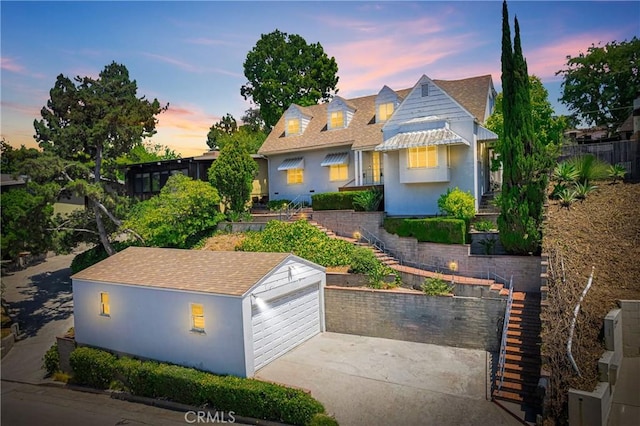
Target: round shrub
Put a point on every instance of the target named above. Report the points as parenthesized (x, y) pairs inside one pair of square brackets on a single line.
[(458, 204)]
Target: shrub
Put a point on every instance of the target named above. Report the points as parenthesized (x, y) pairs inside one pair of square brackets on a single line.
[(321, 419), (51, 360), (392, 224), (246, 397), (362, 261), (368, 201), (484, 225), (93, 367), (435, 230), (436, 286), (457, 203), (335, 200), (277, 205)]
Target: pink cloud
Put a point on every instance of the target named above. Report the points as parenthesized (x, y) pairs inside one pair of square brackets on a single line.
[(24, 109), (187, 118), (180, 64), (9, 64), (369, 64), (545, 61)]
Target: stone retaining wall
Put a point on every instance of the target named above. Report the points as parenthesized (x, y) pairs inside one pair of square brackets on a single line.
[(348, 222)]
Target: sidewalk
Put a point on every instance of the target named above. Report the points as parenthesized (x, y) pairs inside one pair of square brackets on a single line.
[(625, 409), (39, 298)]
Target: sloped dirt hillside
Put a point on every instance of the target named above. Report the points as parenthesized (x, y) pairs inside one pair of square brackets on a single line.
[(603, 233)]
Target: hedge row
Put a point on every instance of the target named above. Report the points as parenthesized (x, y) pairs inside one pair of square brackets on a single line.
[(335, 200), (245, 397), (433, 230)]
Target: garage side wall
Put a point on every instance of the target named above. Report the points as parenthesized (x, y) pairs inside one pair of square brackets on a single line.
[(466, 322), (157, 324)]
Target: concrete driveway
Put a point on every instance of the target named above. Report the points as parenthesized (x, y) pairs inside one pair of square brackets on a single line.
[(371, 381)]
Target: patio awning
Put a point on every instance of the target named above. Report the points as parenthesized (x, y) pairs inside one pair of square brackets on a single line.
[(485, 134), (335, 159), (442, 136), (292, 163)]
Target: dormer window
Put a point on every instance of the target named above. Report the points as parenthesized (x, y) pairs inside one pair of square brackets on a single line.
[(296, 119), (337, 119), (293, 126), (386, 103), (339, 113), (385, 111)]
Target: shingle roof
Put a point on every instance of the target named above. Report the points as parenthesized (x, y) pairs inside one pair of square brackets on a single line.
[(363, 132), (471, 93), (221, 272)]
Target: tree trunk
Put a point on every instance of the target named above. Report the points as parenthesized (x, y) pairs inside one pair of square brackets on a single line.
[(104, 238)]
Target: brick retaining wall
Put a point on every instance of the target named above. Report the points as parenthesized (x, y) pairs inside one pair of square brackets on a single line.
[(405, 315)]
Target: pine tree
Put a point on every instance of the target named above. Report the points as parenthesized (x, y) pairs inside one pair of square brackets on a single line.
[(524, 161)]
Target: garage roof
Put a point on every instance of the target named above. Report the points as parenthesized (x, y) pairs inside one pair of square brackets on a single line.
[(222, 272)]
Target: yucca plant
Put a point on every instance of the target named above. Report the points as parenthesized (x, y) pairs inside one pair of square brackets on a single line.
[(565, 172), (582, 190), (617, 172), (566, 198)]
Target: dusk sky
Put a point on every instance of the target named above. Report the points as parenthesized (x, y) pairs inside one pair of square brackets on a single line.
[(190, 54)]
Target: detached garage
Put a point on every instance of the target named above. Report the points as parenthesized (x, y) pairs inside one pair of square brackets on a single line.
[(224, 312)]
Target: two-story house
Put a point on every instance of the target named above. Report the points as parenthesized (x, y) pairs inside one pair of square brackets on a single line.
[(414, 142)]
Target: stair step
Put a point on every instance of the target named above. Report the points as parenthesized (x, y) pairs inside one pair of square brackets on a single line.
[(508, 396)]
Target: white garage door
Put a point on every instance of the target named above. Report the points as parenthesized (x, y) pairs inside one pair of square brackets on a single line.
[(283, 323)]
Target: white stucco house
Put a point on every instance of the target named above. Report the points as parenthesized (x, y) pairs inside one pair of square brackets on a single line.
[(415, 143), (224, 312)]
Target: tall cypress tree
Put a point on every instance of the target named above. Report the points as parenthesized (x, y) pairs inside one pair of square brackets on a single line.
[(524, 161)]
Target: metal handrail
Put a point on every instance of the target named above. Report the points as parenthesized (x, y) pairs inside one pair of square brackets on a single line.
[(370, 238), (503, 343), (296, 205)]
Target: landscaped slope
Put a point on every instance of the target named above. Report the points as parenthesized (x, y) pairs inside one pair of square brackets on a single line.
[(602, 232)]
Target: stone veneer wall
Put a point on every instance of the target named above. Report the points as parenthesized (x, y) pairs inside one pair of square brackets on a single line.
[(413, 316)]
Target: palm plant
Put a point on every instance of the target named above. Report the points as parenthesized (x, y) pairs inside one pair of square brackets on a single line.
[(617, 171)]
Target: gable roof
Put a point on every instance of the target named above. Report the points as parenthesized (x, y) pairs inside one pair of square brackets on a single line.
[(471, 93), (220, 272), (363, 132)]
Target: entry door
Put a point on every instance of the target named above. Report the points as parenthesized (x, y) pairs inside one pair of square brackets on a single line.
[(283, 323)]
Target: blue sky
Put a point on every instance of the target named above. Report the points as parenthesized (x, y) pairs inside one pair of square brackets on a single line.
[(190, 54)]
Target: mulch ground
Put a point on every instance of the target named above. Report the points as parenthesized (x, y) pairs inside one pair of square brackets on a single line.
[(603, 233)]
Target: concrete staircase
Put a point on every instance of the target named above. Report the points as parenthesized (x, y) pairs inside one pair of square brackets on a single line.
[(522, 367), (486, 204)]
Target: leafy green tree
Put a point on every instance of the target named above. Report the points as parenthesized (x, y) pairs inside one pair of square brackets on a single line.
[(599, 86), (179, 216), (12, 159), (27, 215), (88, 121), (458, 204), (252, 120), (226, 126), (232, 174), (525, 162), (548, 128), (283, 69)]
